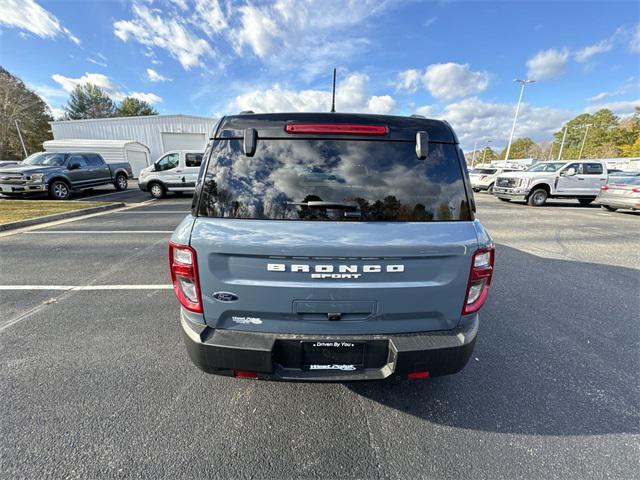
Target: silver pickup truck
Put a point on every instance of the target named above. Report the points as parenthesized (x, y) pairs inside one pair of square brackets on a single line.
[(58, 174)]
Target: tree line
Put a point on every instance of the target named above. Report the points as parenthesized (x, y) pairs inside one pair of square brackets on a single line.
[(22, 106), (607, 136)]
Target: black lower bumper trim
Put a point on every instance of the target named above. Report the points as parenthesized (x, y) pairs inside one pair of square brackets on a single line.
[(279, 356)]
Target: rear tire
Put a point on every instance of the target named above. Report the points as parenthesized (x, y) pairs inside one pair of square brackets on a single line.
[(59, 190), (585, 201), (608, 208), (121, 182), (157, 190), (538, 197)]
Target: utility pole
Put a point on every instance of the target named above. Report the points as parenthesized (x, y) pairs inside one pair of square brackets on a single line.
[(515, 117), (21, 140), (562, 144), (550, 151), (473, 157), (586, 129)]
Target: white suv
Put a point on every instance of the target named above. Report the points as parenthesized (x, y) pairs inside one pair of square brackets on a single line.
[(485, 178), (176, 171), (574, 179)]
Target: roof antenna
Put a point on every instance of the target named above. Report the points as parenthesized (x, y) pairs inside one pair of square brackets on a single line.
[(333, 96)]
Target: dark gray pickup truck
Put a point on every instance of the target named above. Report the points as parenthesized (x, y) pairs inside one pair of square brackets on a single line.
[(58, 174)]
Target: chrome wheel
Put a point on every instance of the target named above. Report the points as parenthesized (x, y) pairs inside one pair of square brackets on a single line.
[(122, 182), (60, 190), (157, 190)]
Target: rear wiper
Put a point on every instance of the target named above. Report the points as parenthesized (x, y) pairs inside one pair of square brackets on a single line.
[(351, 209)]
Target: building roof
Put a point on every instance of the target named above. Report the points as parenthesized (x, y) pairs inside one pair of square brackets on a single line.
[(90, 143), (148, 118)]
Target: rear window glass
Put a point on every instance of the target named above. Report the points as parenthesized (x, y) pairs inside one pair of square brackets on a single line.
[(334, 180), (622, 180), (485, 171), (193, 159)]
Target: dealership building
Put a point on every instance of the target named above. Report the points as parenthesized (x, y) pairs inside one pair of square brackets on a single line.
[(159, 133)]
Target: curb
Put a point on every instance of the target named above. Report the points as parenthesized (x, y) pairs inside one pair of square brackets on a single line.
[(58, 216)]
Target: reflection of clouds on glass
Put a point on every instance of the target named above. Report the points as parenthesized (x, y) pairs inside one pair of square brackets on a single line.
[(384, 179)]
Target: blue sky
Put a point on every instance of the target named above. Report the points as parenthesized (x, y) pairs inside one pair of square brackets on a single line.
[(448, 59)]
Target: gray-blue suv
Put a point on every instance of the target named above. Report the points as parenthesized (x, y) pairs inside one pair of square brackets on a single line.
[(331, 247)]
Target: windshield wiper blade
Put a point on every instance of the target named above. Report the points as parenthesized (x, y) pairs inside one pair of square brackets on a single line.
[(321, 204)]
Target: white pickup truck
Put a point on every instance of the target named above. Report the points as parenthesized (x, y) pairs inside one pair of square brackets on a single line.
[(580, 180)]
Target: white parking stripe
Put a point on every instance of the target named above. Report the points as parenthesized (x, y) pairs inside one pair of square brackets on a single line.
[(80, 288), (49, 232)]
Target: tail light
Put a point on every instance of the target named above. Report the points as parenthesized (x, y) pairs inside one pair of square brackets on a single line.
[(604, 187), (340, 128), (635, 190), (479, 280), (245, 374), (184, 275)]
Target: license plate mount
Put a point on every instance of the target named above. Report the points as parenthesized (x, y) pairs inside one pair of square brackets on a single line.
[(333, 355)]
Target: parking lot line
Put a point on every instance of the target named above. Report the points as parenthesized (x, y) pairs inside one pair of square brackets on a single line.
[(81, 288), (49, 232)]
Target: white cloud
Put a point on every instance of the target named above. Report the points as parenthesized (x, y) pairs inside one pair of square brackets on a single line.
[(444, 80), (111, 88), (625, 107), (156, 77), (451, 80), (409, 80), (547, 64), (307, 35), (586, 53), (48, 94), (155, 29), (351, 96), (151, 98), (426, 110), (96, 62), (27, 15), (476, 120), (209, 17), (599, 96)]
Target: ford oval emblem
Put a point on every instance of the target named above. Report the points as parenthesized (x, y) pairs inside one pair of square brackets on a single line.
[(225, 296)]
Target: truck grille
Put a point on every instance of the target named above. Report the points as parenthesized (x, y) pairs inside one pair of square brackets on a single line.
[(12, 178), (507, 182)]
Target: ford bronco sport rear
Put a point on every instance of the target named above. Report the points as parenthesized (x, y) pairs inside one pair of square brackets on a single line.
[(331, 247)]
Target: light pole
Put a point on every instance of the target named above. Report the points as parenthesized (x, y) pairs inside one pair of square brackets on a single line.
[(484, 154), (515, 117), (473, 157), (586, 129), (562, 144)]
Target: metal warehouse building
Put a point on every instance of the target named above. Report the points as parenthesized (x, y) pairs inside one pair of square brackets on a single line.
[(160, 133)]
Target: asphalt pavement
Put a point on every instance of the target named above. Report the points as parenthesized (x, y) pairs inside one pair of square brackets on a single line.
[(95, 381)]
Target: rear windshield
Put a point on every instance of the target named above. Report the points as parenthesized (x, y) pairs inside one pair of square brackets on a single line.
[(334, 180), (485, 171), (622, 180)]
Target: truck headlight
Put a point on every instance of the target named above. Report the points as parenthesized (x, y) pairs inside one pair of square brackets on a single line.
[(524, 182), (37, 177)]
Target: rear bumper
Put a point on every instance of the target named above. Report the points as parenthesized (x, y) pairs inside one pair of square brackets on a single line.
[(279, 357), (612, 201)]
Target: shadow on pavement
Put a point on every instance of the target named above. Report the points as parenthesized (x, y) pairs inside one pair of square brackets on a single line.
[(557, 354)]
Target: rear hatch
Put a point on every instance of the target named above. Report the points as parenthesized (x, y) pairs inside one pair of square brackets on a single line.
[(333, 236)]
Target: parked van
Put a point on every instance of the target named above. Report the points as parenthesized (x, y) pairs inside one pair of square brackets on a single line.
[(176, 171)]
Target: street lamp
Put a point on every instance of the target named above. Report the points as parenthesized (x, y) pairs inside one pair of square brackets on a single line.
[(515, 117), (586, 129), (564, 136)]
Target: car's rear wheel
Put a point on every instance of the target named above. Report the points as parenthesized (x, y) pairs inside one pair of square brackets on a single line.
[(585, 201), (538, 197), (59, 190), (157, 190), (121, 182), (608, 208)]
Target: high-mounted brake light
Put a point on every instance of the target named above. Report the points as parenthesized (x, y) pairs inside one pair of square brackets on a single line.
[(339, 128), (184, 275), (479, 280), (604, 187), (635, 190)]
